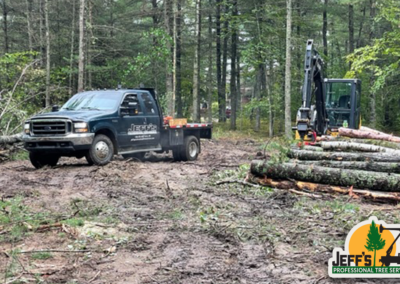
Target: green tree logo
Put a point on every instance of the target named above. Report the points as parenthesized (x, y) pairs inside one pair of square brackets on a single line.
[(374, 240)]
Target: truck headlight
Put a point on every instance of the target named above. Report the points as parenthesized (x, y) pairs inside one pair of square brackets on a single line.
[(81, 127), (27, 129)]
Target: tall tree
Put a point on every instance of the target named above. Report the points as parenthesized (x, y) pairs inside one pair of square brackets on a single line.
[(5, 26), (351, 29), (210, 65), (225, 32), (325, 32), (47, 27), (196, 64), (178, 50), (288, 119), (233, 86), (81, 62), (220, 83), (168, 22), (72, 50)]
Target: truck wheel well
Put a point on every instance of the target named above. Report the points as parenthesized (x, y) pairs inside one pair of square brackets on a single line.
[(110, 135)]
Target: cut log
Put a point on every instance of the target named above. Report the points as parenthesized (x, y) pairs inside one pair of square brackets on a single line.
[(387, 144), (316, 187), (343, 156), (312, 148), (359, 179), (364, 166), (343, 145), (368, 135), (11, 139)]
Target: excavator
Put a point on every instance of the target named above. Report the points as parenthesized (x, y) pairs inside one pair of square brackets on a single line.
[(327, 104), (388, 259)]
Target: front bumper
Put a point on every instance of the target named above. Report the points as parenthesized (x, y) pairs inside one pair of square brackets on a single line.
[(58, 144)]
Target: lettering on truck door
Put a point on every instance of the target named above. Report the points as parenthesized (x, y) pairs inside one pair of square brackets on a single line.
[(152, 119), (132, 122)]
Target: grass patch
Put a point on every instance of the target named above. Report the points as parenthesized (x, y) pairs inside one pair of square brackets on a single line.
[(19, 155), (41, 255), (74, 222)]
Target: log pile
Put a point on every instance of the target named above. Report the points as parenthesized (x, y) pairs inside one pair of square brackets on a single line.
[(9, 145), (363, 162)]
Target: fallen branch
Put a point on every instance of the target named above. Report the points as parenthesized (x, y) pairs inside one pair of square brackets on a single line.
[(316, 187), (236, 181), (359, 179)]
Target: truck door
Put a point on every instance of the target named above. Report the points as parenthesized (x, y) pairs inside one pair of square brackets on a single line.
[(152, 119), (131, 123)]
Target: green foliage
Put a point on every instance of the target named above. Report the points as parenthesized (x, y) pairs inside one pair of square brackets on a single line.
[(374, 239)]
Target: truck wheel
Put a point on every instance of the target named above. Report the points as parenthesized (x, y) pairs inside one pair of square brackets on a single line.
[(191, 149), (139, 156), (40, 160), (101, 151), (176, 153)]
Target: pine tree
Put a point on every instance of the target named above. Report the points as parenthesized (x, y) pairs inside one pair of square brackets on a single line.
[(374, 240)]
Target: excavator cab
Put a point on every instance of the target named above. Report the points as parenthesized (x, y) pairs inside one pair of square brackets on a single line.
[(342, 103)]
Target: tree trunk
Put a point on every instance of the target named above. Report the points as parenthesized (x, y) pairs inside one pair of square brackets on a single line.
[(169, 76), (351, 30), (71, 56), (5, 27), (29, 8), (178, 70), (288, 119), (343, 156), (89, 45), (196, 65), (81, 63), (233, 86), (221, 94), (225, 57), (324, 34), (347, 132), (364, 166), (209, 73), (47, 27), (257, 96), (343, 145), (238, 83), (358, 179), (270, 98), (372, 94), (11, 139)]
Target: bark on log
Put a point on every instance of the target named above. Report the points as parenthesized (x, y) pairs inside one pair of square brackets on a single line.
[(312, 148), (11, 139), (369, 135), (343, 145), (359, 179), (316, 187), (364, 166), (343, 156), (387, 144)]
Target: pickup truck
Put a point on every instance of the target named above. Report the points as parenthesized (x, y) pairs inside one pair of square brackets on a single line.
[(100, 124)]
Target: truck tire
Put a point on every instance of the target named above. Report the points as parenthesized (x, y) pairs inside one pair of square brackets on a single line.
[(39, 160), (101, 151), (139, 156), (176, 153), (191, 149)]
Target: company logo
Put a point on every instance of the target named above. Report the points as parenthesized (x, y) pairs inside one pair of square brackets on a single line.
[(370, 252)]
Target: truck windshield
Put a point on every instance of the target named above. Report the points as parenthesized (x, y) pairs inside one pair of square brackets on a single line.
[(92, 101)]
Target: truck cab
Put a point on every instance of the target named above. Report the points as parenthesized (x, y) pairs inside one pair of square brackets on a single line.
[(100, 124)]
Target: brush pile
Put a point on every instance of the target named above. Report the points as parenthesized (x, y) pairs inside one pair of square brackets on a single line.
[(361, 162)]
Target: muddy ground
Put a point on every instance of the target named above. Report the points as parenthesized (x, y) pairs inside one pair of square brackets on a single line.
[(161, 221)]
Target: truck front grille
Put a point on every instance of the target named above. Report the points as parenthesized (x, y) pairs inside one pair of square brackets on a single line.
[(50, 127)]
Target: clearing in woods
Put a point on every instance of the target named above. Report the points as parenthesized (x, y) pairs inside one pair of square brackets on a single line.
[(165, 222)]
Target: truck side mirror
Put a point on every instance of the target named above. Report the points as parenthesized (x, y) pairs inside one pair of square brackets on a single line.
[(55, 108)]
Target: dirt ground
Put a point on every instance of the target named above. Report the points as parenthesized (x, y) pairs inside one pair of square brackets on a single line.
[(161, 221)]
